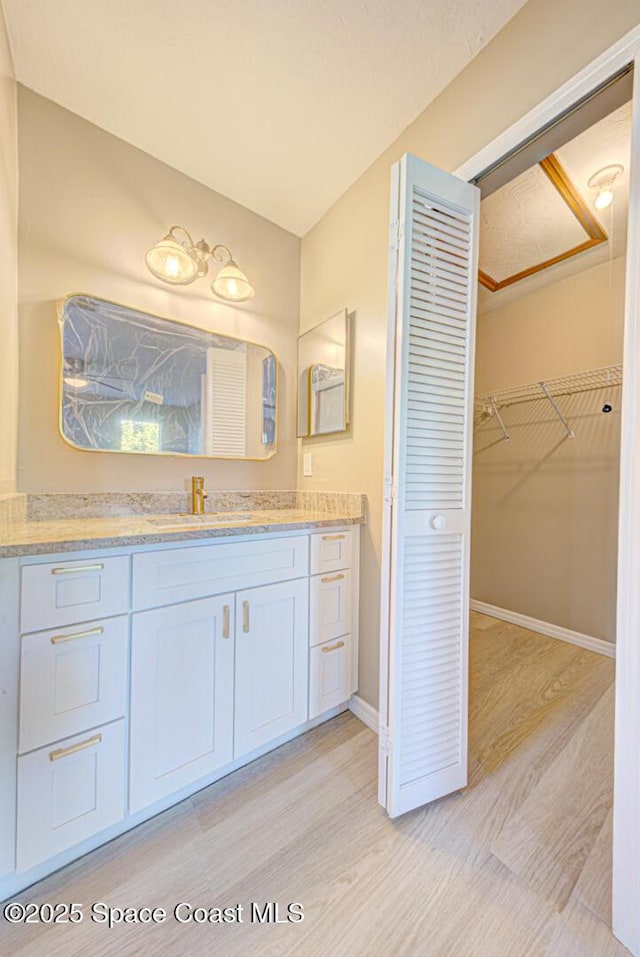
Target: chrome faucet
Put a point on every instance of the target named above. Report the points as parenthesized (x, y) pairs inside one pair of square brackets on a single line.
[(198, 495)]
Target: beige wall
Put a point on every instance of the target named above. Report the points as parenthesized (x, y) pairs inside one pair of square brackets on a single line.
[(90, 207), (544, 538), (8, 266), (344, 257)]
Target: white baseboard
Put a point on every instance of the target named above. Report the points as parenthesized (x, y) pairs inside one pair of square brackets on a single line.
[(598, 645), (367, 714)]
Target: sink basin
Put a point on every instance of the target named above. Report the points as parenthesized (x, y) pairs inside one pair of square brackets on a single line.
[(200, 521)]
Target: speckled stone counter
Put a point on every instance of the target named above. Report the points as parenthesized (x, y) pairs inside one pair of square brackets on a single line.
[(98, 524)]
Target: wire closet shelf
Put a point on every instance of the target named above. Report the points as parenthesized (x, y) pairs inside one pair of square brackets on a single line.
[(490, 404)]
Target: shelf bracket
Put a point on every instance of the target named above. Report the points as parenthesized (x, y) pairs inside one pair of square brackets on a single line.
[(556, 409), (494, 411)]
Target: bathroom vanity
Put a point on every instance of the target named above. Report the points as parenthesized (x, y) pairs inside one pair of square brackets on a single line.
[(136, 669)]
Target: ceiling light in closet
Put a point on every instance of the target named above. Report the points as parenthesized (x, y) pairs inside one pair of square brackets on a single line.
[(604, 181), (177, 260)]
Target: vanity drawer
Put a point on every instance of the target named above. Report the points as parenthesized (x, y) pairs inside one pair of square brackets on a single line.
[(72, 679), (69, 792), (329, 606), (329, 675), (180, 574), (331, 551), (61, 593)]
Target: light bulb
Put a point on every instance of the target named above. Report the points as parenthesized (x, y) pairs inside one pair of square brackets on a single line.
[(172, 267), (604, 198), (605, 181)]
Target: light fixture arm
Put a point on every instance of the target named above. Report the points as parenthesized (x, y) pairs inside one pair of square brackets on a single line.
[(189, 244), (220, 256)]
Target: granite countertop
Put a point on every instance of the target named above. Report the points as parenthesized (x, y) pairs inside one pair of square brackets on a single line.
[(75, 534)]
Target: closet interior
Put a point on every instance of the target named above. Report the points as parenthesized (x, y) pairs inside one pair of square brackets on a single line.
[(548, 381)]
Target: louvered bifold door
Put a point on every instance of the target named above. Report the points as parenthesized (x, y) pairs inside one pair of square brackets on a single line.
[(423, 738)]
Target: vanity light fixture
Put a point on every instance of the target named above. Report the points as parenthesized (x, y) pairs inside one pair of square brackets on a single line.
[(604, 181), (179, 261)]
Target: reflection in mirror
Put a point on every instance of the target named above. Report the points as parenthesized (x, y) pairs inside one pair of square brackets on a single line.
[(133, 382), (323, 370)]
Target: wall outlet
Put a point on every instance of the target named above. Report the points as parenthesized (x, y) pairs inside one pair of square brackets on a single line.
[(307, 464)]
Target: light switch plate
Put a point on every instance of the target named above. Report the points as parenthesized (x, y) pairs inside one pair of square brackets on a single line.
[(307, 464)]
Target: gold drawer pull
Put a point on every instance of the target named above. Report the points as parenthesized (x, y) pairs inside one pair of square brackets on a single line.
[(328, 648), (226, 621), (58, 639), (67, 570), (333, 538), (245, 616), (80, 746), (332, 578)]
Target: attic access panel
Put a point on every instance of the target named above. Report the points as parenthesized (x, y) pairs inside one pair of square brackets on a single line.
[(535, 221)]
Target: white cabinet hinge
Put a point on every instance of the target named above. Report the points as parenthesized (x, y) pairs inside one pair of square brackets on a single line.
[(384, 741)]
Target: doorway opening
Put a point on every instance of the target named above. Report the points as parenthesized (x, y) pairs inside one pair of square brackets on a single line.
[(546, 472)]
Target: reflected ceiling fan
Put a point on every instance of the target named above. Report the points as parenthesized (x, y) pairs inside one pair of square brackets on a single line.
[(77, 376)]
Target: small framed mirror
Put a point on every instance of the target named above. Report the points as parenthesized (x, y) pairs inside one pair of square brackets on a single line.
[(323, 377), (135, 382)]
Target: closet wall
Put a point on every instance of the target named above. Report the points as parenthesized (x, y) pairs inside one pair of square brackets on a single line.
[(544, 506)]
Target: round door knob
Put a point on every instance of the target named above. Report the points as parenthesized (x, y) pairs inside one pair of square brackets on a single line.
[(438, 522)]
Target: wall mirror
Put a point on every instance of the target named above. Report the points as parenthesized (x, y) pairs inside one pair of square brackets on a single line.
[(134, 382), (323, 377)]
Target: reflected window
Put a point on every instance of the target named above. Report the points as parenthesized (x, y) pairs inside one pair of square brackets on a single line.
[(139, 436)]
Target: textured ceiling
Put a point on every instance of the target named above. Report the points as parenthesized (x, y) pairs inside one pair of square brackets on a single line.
[(607, 142), (279, 104), (523, 222)]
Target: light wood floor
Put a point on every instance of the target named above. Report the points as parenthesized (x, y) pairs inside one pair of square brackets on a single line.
[(519, 864)]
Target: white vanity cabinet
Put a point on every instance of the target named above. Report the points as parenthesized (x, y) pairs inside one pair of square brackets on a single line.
[(147, 672)]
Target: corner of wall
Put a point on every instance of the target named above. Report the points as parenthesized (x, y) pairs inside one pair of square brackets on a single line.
[(8, 263)]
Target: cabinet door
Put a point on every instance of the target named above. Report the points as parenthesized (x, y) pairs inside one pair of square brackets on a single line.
[(181, 696), (272, 632)]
